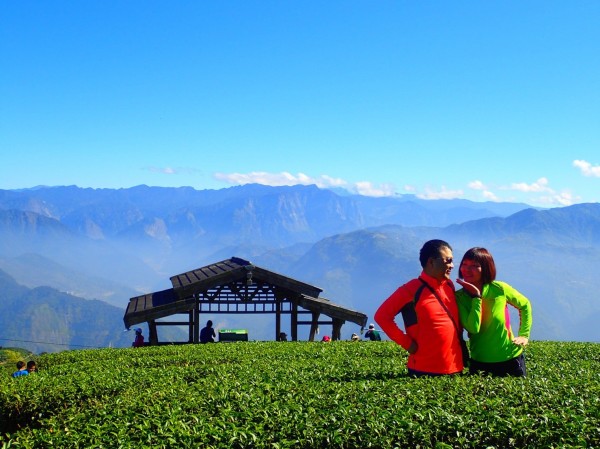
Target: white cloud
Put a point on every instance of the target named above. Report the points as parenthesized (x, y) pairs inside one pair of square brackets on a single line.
[(558, 199), (486, 193), (369, 189), (548, 197), (543, 195), (279, 179), (490, 196), (477, 185), (334, 182), (172, 170), (163, 170), (587, 169), (365, 188), (541, 185), (442, 194)]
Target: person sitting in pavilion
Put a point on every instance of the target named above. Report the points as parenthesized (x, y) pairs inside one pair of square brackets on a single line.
[(207, 334)]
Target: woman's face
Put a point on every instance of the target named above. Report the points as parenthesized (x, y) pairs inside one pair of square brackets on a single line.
[(471, 271)]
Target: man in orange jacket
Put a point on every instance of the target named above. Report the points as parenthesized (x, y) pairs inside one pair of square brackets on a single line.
[(430, 315)]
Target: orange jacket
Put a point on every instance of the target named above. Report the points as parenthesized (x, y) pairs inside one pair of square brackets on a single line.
[(439, 350)]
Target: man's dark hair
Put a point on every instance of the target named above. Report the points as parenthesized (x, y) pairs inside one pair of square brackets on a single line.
[(432, 248), (20, 364)]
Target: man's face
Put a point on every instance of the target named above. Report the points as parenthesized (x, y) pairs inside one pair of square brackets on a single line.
[(441, 266)]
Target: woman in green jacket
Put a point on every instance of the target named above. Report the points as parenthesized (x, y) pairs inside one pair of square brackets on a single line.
[(483, 308)]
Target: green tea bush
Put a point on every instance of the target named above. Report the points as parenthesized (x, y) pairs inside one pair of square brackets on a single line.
[(297, 395)]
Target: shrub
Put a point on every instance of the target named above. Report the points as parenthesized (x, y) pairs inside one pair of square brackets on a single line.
[(298, 394)]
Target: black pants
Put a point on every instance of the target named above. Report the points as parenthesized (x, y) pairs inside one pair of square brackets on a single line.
[(513, 367)]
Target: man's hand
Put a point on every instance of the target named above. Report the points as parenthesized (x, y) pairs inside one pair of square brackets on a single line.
[(413, 347)]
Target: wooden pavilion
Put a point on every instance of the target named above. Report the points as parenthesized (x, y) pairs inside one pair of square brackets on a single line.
[(236, 286)]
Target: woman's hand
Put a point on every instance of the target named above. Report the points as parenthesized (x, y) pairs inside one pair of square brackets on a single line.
[(521, 341), (470, 288)]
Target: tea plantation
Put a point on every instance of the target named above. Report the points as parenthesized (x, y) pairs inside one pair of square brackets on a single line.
[(297, 395)]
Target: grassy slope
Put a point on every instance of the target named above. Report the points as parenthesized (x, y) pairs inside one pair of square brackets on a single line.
[(301, 394)]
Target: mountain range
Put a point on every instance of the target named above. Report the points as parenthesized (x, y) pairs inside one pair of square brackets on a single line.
[(112, 244)]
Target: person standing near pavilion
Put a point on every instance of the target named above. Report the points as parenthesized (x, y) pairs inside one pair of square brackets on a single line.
[(372, 334), (139, 338)]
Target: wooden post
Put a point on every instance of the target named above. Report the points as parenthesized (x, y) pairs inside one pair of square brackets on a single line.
[(153, 337), (314, 326), (277, 318), (294, 321), (337, 328), (197, 319)]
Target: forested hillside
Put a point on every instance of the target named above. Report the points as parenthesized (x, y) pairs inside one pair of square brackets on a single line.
[(44, 319)]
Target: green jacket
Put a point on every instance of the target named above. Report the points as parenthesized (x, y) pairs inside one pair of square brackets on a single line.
[(487, 320)]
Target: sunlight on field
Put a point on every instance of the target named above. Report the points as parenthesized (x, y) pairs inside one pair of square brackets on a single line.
[(298, 394)]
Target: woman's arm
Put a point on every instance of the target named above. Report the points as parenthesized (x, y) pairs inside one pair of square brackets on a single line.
[(469, 309)]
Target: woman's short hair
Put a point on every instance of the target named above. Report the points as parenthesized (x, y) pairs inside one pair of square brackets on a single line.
[(483, 257)]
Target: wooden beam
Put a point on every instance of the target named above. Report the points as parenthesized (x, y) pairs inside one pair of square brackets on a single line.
[(159, 312), (326, 323), (172, 323)]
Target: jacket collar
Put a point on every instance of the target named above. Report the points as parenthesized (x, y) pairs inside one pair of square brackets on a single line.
[(433, 282)]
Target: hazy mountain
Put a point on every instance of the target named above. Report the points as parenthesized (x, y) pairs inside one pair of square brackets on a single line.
[(138, 237), (34, 270), (271, 215), (551, 256), (113, 244), (408, 210), (25, 232), (44, 319)]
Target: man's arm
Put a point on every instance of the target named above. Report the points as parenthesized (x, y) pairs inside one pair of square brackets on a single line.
[(386, 318)]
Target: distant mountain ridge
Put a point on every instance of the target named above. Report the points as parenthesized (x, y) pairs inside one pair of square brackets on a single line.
[(308, 209), (119, 233), (551, 256), (114, 243), (34, 270)]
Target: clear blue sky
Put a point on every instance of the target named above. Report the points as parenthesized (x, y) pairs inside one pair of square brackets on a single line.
[(478, 100)]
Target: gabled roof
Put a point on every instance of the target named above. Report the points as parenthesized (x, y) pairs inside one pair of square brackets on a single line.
[(188, 286), (234, 269)]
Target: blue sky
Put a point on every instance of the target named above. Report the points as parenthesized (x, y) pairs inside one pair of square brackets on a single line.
[(479, 100)]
